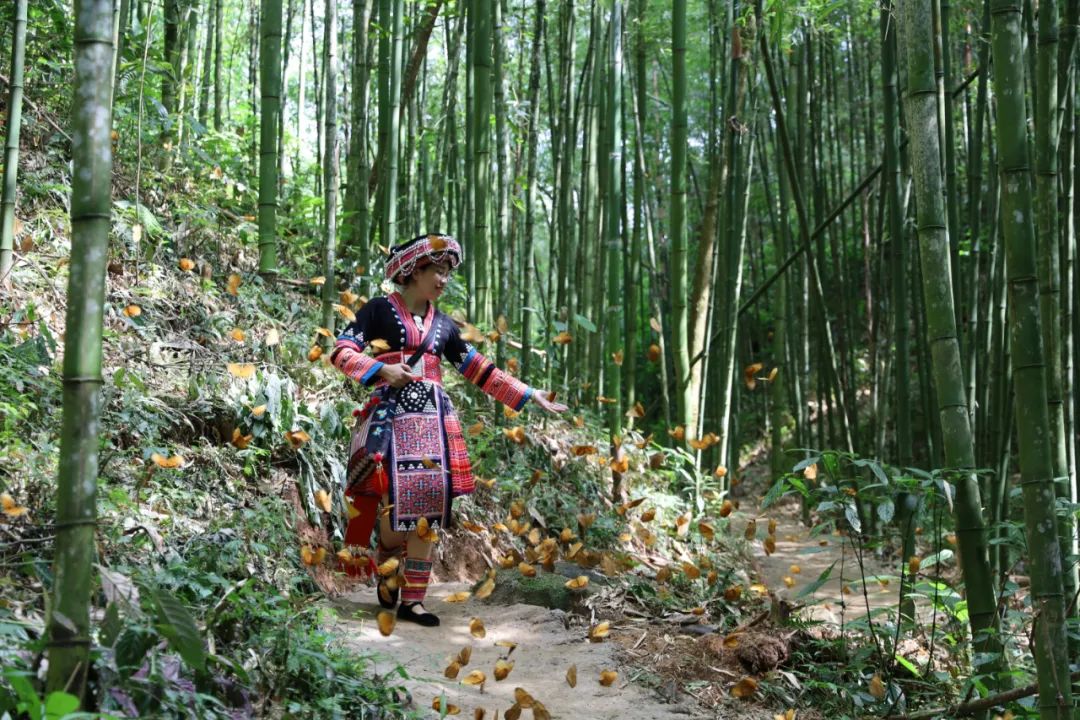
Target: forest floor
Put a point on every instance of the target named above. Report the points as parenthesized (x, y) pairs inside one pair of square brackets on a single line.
[(668, 667)]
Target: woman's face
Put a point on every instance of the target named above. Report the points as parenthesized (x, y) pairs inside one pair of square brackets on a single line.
[(431, 280)]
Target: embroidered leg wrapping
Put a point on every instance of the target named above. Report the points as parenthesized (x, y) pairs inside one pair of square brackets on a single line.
[(417, 574)]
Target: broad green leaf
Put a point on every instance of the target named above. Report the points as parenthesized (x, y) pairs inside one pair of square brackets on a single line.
[(178, 626), (908, 664), (58, 704), (585, 322), (816, 585), (886, 510), (852, 514)]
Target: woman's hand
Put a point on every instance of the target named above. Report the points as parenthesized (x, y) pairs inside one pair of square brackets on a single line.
[(546, 400), (398, 375)]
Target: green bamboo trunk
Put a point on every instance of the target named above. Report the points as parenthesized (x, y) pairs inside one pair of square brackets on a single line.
[(330, 163), (528, 245), (900, 276), (219, 63), (1036, 440), (270, 107), (680, 346), (11, 145), (934, 256), (613, 317), (357, 200), (481, 156), (68, 624), (393, 132), (1046, 177)]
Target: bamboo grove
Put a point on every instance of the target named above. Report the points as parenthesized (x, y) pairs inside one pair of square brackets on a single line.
[(840, 225)]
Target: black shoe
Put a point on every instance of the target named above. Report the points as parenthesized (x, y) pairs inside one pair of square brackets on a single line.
[(405, 612), (387, 598)]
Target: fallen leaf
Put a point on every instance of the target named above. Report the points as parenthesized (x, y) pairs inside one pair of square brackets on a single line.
[(750, 375), (522, 698), (579, 583), (682, 525), (476, 677), (440, 705), (744, 688), (877, 687), (485, 588), (172, 462), (10, 507), (502, 669), (458, 597), (345, 312), (244, 371), (297, 438)]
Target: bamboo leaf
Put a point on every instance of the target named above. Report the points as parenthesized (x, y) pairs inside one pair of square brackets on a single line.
[(816, 585)]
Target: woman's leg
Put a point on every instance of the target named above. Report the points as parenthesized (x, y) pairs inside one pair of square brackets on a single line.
[(417, 576), (390, 545)]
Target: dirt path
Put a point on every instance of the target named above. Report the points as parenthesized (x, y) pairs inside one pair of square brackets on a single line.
[(546, 649), (812, 555)]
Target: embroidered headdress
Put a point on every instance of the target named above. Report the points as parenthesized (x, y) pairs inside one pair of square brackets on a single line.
[(419, 252)]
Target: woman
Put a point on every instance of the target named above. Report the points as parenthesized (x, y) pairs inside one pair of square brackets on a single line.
[(408, 449)]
